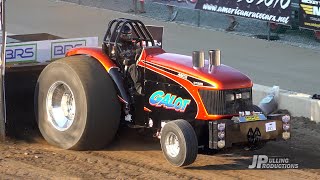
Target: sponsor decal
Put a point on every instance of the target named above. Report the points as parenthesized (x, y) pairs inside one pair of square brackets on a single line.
[(310, 14), (245, 116), (59, 49), (278, 11), (168, 101), (198, 83), (267, 162), (23, 52), (311, 10), (182, 76), (267, 10)]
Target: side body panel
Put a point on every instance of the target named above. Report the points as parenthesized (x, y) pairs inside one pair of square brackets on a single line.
[(166, 99), (174, 74)]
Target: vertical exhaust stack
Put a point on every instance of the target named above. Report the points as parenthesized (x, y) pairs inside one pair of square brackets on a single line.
[(198, 59), (214, 58)]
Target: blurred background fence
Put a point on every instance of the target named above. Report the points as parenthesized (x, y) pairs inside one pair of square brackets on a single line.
[(211, 20)]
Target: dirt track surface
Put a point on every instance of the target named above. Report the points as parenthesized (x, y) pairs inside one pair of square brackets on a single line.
[(26, 155)]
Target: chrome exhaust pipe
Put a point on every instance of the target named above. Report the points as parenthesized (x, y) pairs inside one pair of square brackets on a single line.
[(214, 58), (198, 59)]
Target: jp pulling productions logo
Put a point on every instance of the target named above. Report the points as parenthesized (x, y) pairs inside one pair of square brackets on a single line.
[(265, 162)]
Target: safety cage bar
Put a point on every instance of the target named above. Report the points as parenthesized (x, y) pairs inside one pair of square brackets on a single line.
[(116, 26)]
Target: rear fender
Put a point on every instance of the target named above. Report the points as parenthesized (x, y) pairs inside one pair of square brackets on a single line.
[(108, 64)]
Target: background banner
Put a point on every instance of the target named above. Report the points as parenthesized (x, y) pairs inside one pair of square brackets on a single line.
[(179, 3), (277, 11), (46, 50), (310, 14)]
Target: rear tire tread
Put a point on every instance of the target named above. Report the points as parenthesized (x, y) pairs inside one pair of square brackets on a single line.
[(102, 106)]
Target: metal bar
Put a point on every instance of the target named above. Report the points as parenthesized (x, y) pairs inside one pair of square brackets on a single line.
[(269, 31), (147, 32), (108, 33), (213, 135), (135, 6), (2, 69), (198, 18)]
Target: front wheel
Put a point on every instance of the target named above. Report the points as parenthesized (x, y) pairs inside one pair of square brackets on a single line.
[(179, 143)]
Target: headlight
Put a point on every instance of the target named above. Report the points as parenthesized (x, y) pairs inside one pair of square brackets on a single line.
[(286, 127), (246, 95), (221, 144), (238, 96), (221, 135), (286, 135), (221, 126), (230, 97), (286, 118)]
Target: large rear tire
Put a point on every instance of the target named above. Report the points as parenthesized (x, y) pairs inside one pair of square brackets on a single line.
[(179, 143), (76, 104)]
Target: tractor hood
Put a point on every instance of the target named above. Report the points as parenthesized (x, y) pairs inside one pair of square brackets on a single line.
[(221, 77)]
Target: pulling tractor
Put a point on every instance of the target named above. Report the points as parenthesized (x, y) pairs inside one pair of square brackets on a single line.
[(80, 100)]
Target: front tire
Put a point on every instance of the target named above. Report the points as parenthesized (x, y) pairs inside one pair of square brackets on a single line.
[(76, 104), (179, 143)]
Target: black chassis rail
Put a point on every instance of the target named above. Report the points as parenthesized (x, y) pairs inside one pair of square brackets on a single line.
[(241, 132)]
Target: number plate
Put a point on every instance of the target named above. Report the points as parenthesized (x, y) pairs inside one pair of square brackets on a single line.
[(271, 126), (252, 118)]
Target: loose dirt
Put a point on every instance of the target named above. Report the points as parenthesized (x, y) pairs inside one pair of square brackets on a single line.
[(26, 155)]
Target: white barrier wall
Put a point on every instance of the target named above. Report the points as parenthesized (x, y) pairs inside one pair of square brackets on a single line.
[(42, 51), (297, 103)]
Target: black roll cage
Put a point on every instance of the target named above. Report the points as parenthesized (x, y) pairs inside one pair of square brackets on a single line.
[(112, 36)]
